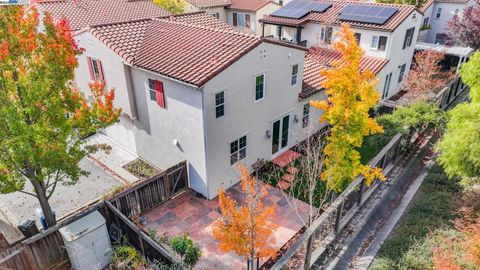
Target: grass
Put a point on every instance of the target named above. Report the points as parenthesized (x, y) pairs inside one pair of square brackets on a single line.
[(140, 168), (426, 224)]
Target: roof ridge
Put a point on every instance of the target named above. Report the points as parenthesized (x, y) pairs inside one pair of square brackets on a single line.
[(120, 22), (313, 48)]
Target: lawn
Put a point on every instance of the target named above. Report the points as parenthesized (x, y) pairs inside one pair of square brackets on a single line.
[(426, 224)]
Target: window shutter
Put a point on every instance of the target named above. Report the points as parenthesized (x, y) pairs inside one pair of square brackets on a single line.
[(234, 19), (100, 70), (159, 93), (90, 68), (247, 21)]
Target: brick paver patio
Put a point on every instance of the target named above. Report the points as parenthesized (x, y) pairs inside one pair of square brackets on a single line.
[(194, 215)]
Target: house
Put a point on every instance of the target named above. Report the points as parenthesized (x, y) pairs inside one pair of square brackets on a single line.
[(390, 36), (437, 14), (244, 15), (82, 13), (208, 95)]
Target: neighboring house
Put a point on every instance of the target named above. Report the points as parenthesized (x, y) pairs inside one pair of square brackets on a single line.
[(83, 13), (391, 37), (211, 96), (244, 15), (437, 13)]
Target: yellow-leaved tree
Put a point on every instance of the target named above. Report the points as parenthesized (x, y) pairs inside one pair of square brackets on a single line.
[(246, 228), (350, 96), (174, 6)]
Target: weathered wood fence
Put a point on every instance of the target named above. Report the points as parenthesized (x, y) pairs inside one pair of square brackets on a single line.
[(450, 92), (314, 243), (46, 250)]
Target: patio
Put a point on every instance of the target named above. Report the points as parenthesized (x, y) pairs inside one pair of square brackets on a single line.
[(195, 216)]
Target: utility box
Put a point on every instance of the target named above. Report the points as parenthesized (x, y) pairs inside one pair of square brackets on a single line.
[(28, 228), (87, 242)]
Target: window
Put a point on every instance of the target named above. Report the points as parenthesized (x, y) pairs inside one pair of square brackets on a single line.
[(238, 150), (440, 38), (386, 86), (306, 115), (219, 104), (402, 73), (379, 43), (407, 42), (95, 68), (280, 2), (259, 87), (439, 13), (457, 11), (155, 89), (216, 15), (425, 21), (294, 78), (358, 36), (241, 19), (328, 34)]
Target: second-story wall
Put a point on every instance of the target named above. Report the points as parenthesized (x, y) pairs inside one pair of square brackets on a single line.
[(218, 12), (440, 14)]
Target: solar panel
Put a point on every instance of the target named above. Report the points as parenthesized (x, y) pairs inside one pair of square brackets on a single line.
[(298, 9), (367, 14)]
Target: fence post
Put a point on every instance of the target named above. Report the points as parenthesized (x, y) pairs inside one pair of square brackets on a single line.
[(137, 200), (142, 246), (361, 191), (308, 253), (339, 216)]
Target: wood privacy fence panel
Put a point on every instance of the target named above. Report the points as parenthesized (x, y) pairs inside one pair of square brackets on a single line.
[(450, 92), (152, 192)]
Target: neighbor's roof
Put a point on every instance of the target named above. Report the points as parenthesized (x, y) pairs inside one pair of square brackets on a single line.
[(209, 3), (200, 18), (330, 16), (83, 13), (318, 59), (426, 5), (249, 5), (186, 52)]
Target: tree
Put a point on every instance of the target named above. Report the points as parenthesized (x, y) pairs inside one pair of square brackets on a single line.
[(43, 118), (174, 6), (426, 77), (460, 146), (417, 3), (464, 30), (351, 94), (246, 229)]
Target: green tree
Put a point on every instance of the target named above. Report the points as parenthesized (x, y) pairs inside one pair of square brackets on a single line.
[(43, 119), (417, 3), (174, 6), (460, 146)]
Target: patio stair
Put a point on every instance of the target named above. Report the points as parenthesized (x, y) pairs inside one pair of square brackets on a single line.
[(287, 179), (286, 158)]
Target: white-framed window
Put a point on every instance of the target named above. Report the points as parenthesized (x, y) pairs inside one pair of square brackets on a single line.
[(259, 87), (306, 115), (294, 78), (151, 90), (425, 21), (457, 11), (386, 86), (401, 73), (241, 19), (326, 35), (216, 15), (379, 43), (407, 42), (156, 92), (238, 150), (95, 68), (219, 104), (439, 13)]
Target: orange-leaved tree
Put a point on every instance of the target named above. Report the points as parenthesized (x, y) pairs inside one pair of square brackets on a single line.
[(350, 96), (247, 228)]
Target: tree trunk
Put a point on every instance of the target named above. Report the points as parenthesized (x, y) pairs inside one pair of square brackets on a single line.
[(41, 192)]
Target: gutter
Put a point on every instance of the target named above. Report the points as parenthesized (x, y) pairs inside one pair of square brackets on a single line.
[(164, 76)]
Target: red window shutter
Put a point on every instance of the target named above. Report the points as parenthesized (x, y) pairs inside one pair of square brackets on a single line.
[(159, 93), (100, 70), (247, 21), (234, 19), (90, 68)]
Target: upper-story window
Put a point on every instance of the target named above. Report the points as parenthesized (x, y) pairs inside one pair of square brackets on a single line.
[(241, 19), (155, 89), (379, 43), (358, 36), (259, 87), (216, 15), (238, 150), (95, 69), (457, 11), (294, 79), (402, 73), (219, 104), (407, 42), (425, 21), (326, 35), (386, 86), (439, 13), (306, 115)]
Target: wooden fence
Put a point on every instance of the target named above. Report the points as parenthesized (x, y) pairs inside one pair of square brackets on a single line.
[(448, 94), (314, 243)]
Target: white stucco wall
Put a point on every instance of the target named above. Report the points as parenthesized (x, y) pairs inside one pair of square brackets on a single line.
[(245, 116), (222, 14), (423, 35), (253, 26), (440, 25), (263, 12)]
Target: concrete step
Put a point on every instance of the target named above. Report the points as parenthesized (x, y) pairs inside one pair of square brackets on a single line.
[(292, 170), (284, 184), (288, 177)]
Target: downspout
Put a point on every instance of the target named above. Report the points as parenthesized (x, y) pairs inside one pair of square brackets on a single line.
[(205, 140)]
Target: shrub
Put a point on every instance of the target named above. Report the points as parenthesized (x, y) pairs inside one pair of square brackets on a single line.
[(184, 246), (126, 256)]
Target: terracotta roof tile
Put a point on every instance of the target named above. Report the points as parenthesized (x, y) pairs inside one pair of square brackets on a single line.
[(426, 5), (330, 16), (91, 12), (318, 59), (200, 18), (248, 5), (190, 53), (209, 3)]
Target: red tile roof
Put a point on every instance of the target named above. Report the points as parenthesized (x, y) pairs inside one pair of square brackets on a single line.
[(209, 3), (249, 5), (200, 18), (330, 16), (426, 5), (91, 12), (190, 53), (318, 59)]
